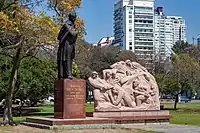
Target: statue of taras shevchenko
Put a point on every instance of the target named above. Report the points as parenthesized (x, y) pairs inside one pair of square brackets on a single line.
[(66, 52)]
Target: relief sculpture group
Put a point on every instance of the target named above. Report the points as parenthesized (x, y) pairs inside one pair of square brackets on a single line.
[(125, 86)]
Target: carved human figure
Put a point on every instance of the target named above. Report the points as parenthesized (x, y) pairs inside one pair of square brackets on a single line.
[(142, 91), (120, 66), (66, 51), (120, 95), (138, 66), (154, 91), (101, 91), (126, 86)]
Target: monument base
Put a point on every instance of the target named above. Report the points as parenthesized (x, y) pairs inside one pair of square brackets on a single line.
[(70, 97), (135, 114), (144, 117)]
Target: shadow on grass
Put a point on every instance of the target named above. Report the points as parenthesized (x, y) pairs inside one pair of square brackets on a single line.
[(170, 109), (40, 114), (33, 111)]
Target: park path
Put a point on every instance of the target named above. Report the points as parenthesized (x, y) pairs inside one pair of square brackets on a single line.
[(166, 128)]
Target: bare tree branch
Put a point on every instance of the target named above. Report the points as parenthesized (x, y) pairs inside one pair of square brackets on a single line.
[(9, 5), (32, 3), (12, 46), (55, 8), (36, 46)]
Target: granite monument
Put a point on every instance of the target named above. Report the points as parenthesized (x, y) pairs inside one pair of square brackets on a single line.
[(127, 86)]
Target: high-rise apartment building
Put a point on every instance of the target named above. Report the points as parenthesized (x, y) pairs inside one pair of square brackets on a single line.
[(168, 30), (145, 31), (179, 28), (134, 26), (163, 34)]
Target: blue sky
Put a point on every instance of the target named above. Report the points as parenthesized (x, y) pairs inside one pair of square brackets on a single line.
[(98, 16)]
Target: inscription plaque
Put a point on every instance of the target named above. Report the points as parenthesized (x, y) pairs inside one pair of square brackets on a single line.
[(70, 96)]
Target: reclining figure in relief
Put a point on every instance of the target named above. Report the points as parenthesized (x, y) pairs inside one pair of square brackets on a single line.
[(125, 86)]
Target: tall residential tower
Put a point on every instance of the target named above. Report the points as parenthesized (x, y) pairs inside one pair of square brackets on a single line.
[(146, 31), (168, 30), (134, 26)]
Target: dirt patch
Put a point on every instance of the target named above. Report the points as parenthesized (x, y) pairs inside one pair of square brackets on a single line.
[(26, 129)]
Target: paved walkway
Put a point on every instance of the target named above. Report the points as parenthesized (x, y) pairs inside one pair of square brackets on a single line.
[(166, 128)]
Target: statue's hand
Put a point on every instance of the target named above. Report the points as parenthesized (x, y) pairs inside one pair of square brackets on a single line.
[(109, 87), (73, 29)]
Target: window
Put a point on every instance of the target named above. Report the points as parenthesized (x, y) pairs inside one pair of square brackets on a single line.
[(130, 30), (130, 43), (130, 16), (130, 21), (130, 48)]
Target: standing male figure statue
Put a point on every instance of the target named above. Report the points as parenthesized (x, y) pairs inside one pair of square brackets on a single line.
[(66, 51)]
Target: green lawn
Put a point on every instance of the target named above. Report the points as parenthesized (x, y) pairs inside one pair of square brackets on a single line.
[(184, 106), (46, 111), (187, 114), (186, 118)]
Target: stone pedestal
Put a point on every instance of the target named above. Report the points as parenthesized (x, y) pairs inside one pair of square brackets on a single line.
[(134, 114), (69, 99)]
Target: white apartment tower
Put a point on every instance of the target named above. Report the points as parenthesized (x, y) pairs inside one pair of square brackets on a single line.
[(168, 30), (163, 35), (179, 28), (134, 26), (146, 31)]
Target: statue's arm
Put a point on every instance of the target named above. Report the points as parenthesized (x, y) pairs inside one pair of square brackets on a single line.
[(111, 97), (72, 29), (119, 97), (141, 93), (62, 30), (95, 84), (64, 37)]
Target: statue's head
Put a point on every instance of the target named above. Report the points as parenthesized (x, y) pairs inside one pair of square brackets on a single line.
[(128, 63), (94, 75), (72, 16), (108, 74)]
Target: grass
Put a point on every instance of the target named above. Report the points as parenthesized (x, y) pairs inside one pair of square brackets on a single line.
[(46, 111), (190, 106), (89, 107), (185, 118), (19, 119), (186, 114)]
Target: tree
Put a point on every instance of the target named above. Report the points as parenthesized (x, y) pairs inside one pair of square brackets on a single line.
[(93, 58), (180, 47), (184, 76), (194, 51), (102, 57), (36, 79), (5, 65), (126, 55), (187, 70), (63, 7), (22, 33)]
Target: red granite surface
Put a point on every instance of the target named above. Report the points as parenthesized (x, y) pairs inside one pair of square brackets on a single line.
[(93, 120), (69, 99)]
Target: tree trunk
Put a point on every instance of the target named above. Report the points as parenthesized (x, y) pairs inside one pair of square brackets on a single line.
[(8, 118), (176, 101)]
